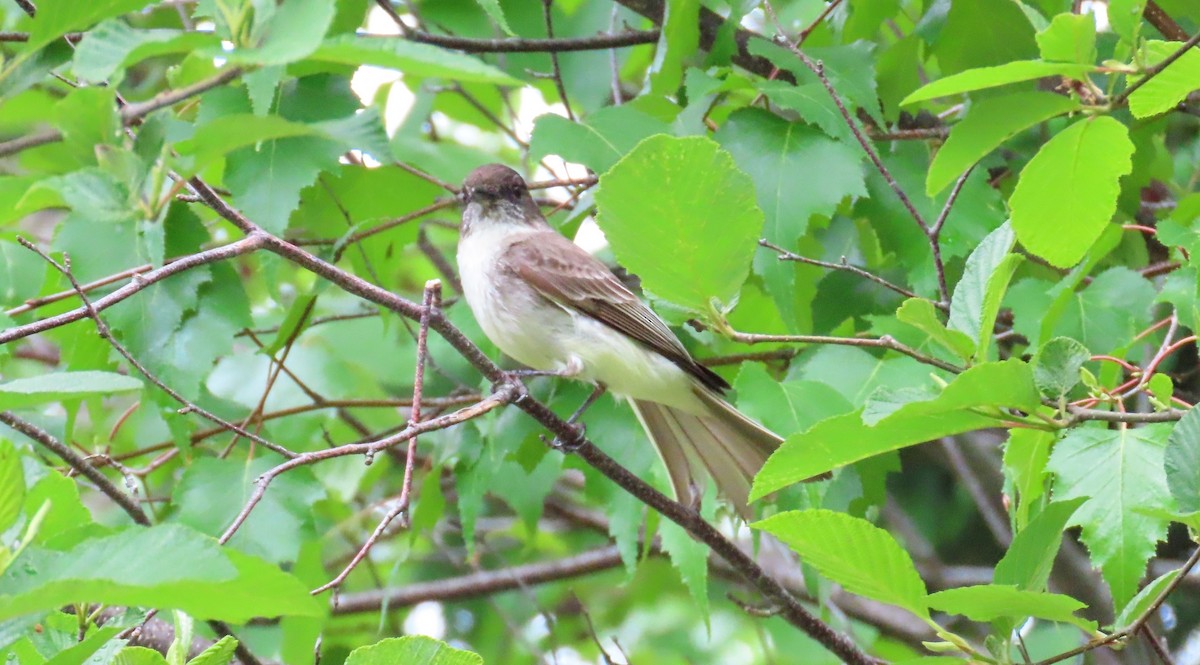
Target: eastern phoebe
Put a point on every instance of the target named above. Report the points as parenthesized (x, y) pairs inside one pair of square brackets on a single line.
[(550, 305)]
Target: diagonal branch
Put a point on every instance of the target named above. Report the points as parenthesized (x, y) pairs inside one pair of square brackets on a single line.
[(126, 502), (790, 607), (130, 113)]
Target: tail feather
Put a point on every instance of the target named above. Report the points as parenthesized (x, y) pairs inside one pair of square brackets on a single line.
[(730, 446), (670, 442)]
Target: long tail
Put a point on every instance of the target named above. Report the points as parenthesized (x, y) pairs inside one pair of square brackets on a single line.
[(729, 445)]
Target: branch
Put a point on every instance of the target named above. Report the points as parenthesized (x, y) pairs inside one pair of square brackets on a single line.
[(785, 255), (1140, 621), (506, 394), (126, 502), (884, 342), (690, 520), (1151, 72), (102, 328), (480, 583), (130, 113), (432, 300), (523, 45), (243, 246)]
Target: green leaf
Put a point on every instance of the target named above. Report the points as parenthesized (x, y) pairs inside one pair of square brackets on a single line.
[(113, 45), (991, 77), (962, 44), (845, 439), (139, 656), (230, 132), (990, 122), (164, 329), (687, 194), (1120, 472), (219, 653), (213, 491), (1144, 599), (1170, 86), (166, 566), (922, 315), (976, 299), (1125, 17), (67, 512), (493, 9), (1031, 554), (293, 32), (597, 141), (1182, 462), (1161, 388), (1069, 38), (1067, 193), (785, 406), (266, 183), (1057, 364), (690, 558), (62, 386), (412, 58), (56, 18), (99, 647), (412, 650), (771, 150), (988, 602), (679, 40), (863, 558), (850, 69), (12, 485)]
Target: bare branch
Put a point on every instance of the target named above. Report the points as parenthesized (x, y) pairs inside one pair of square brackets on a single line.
[(244, 246), (126, 502), (102, 328), (1151, 72), (785, 255), (131, 113)]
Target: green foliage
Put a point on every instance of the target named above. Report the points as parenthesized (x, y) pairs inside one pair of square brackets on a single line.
[(863, 558), (1120, 473), (971, 401), (703, 205), (164, 566), (1071, 186), (415, 649)]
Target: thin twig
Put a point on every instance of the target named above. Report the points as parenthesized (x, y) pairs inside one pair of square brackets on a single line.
[(941, 220), (432, 297), (785, 255), (506, 394), (1151, 72), (102, 328), (883, 342), (34, 303), (77, 462), (558, 77), (246, 245), (1137, 623), (130, 113)]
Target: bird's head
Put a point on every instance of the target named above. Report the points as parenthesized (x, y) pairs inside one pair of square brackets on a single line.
[(496, 194)]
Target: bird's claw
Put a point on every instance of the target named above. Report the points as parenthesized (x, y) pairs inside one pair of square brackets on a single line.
[(513, 380), (573, 441)]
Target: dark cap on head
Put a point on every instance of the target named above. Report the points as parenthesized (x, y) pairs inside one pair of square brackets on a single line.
[(495, 181)]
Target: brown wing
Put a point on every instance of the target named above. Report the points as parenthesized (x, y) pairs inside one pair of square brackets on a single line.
[(564, 273)]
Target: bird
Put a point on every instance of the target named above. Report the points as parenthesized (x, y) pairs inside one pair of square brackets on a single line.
[(549, 304)]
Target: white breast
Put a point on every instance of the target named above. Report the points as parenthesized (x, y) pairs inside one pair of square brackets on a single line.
[(511, 314), (544, 336)]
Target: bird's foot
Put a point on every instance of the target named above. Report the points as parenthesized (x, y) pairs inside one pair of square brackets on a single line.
[(569, 441)]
